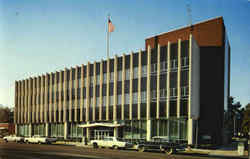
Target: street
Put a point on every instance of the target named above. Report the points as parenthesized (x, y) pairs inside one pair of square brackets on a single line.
[(13, 150)]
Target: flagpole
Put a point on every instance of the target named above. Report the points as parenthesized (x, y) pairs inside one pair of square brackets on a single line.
[(108, 38)]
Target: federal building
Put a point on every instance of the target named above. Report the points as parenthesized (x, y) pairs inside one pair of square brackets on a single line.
[(177, 87)]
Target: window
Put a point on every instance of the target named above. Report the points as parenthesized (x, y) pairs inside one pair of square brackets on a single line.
[(184, 62), (184, 91), (73, 84), (143, 97), (91, 80), (85, 82), (79, 83), (119, 101), (91, 102), (104, 100), (127, 72), (173, 92), (119, 75), (97, 79), (163, 93), (154, 68), (135, 98), (153, 94), (164, 66), (111, 100), (97, 102), (126, 98), (111, 77), (135, 72), (174, 64), (104, 78), (144, 71)]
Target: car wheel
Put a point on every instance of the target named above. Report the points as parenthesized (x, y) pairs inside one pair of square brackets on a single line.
[(95, 146), (169, 151), (115, 147), (141, 149), (39, 143), (5, 140)]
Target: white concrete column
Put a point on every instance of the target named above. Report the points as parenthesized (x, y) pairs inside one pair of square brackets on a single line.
[(70, 93), (100, 91), (33, 100), (94, 93), (131, 87), (107, 89), (55, 106), (179, 79), (139, 87), (158, 81), (76, 93), (190, 131), (115, 90), (115, 130), (60, 103), (46, 98), (47, 129), (65, 130), (81, 94), (87, 91), (30, 130), (149, 127), (123, 86), (38, 105), (168, 82), (42, 98), (50, 97), (65, 104), (88, 133), (148, 82)]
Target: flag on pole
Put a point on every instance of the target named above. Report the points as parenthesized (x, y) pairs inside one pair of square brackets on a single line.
[(111, 27)]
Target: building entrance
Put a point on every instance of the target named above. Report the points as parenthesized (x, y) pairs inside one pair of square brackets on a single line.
[(100, 134)]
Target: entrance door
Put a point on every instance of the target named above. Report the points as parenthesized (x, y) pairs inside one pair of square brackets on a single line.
[(100, 134)]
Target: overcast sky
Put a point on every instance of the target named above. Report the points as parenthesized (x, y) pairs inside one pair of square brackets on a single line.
[(47, 35)]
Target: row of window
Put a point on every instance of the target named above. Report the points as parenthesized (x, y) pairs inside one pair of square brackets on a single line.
[(163, 67)]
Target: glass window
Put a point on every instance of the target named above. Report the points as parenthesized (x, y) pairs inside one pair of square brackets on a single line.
[(173, 92), (154, 68), (104, 78), (126, 98), (97, 79), (144, 71), (97, 101), (91, 102), (85, 82), (174, 64), (184, 62), (153, 94), (143, 97), (104, 100), (135, 72), (120, 75), (127, 72), (119, 101), (135, 98), (79, 83), (111, 100), (111, 77)]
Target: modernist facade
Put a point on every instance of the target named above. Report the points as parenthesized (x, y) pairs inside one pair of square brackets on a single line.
[(155, 92)]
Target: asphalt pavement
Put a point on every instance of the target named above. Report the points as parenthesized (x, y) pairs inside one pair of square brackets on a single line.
[(13, 150)]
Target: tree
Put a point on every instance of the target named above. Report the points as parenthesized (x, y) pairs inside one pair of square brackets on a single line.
[(4, 114), (245, 126)]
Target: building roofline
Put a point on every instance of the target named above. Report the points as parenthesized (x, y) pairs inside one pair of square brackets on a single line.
[(186, 26)]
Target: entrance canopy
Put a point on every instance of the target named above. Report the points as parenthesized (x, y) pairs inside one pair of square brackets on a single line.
[(112, 125)]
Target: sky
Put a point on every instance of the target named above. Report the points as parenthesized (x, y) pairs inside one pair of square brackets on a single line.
[(43, 36)]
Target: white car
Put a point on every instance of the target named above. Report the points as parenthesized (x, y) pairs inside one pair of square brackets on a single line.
[(111, 142), (39, 140), (13, 138)]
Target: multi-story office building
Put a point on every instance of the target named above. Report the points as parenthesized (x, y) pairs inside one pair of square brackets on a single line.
[(178, 84)]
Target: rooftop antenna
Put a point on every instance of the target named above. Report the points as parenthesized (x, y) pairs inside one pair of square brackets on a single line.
[(189, 11)]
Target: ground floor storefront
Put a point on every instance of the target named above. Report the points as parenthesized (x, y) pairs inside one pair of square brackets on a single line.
[(174, 129)]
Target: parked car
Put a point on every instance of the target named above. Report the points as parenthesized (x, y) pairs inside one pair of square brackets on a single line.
[(160, 143), (111, 142), (39, 139), (13, 138)]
